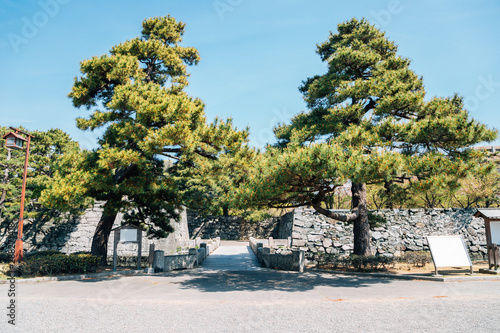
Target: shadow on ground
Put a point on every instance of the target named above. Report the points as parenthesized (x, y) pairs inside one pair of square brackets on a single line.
[(266, 280)]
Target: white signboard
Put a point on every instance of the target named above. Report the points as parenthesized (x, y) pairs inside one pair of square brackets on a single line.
[(448, 251), (128, 235), (495, 232)]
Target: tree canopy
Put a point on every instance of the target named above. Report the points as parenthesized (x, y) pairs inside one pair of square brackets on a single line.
[(46, 150), (368, 122)]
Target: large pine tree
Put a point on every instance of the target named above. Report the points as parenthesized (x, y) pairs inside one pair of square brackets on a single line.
[(368, 122), (136, 94)]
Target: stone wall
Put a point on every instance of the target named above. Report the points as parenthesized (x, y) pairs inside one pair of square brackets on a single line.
[(314, 233), (231, 227), (405, 230), (70, 234), (290, 260)]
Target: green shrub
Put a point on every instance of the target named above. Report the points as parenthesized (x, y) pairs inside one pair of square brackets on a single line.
[(416, 258), (57, 264), (79, 252), (356, 262), (5, 257), (38, 254), (330, 259), (376, 263)]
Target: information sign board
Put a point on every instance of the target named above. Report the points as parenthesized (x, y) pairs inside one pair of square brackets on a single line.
[(449, 251)]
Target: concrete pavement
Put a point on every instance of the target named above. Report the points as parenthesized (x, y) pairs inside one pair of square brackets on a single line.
[(232, 256)]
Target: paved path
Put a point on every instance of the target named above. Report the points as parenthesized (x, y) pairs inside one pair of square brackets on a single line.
[(232, 256)]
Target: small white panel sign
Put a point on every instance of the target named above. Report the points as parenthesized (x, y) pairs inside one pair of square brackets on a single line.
[(128, 235), (448, 251), (495, 232)]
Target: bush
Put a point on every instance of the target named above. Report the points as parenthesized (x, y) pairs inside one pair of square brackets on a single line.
[(330, 259), (416, 258), (356, 262), (376, 263), (38, 254), (79, 252), (57, 264), (5, 257)]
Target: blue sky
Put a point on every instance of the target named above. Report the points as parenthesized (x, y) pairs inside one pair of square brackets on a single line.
[(254, 54)]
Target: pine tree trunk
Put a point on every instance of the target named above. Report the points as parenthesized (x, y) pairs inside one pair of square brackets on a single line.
[(361, 225), (102, 232)]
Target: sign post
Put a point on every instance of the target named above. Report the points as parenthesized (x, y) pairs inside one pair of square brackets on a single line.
[(127, 234), (491, 217)]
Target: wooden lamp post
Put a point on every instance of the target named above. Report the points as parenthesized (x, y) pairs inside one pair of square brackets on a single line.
[(13, 140)]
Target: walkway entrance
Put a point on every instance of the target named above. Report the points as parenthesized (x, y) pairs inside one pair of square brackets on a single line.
[(232, 256)]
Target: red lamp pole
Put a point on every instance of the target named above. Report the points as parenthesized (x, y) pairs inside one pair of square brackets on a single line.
[(18, 251)]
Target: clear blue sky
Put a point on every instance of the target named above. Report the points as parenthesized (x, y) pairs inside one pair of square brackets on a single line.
[(254, 54)]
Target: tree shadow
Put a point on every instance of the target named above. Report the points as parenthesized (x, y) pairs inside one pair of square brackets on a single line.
[(8, 230), (51, 230), (268, 280)]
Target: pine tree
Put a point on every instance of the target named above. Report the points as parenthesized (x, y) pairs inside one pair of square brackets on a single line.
[(136, 93), (367, 123), (46, 149)]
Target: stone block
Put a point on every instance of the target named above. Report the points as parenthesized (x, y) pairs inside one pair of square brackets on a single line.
[(298, 242), (314, 237), (348, 247), (327, 242), (420, 225)]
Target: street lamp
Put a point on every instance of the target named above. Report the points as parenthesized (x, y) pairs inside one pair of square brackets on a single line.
[(13, 140)]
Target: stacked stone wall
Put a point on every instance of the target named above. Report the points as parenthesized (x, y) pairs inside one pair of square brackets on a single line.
[(69, 234), (404, 230), (232, 227)]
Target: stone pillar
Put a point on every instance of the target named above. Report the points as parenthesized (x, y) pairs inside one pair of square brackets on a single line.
[(299, 260), (302, 260), (205, 248), (260, 246), (159, 261), (193, 252)]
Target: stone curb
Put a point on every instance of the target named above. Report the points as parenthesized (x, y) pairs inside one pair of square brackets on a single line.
[(79, 277), (409, 277)]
